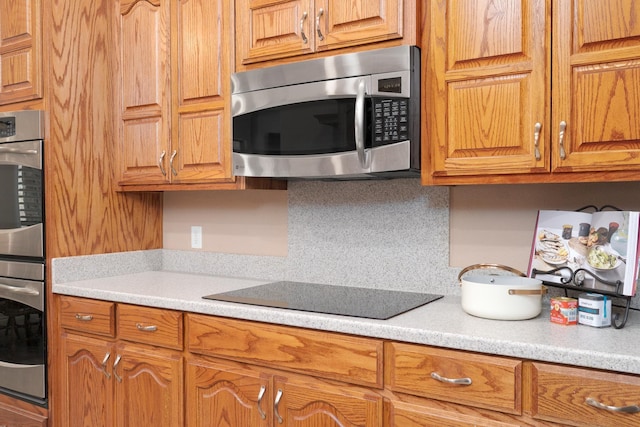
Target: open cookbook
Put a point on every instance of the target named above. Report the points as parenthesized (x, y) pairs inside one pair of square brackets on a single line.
[(597, 251)]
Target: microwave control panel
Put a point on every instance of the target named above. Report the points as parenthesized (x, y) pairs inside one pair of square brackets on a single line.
[(390, 120)]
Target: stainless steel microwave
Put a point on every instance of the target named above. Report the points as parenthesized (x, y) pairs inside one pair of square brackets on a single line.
[(347, 116)]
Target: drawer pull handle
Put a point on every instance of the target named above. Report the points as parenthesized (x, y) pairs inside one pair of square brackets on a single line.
[(275, 406), (115, 365), (632, 409), (458, 381), (84, 317), (260, 396), (104, 365), (150, 328)]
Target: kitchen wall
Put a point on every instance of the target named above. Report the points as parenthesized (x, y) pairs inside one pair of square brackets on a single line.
[(392, 234), (387, 234)]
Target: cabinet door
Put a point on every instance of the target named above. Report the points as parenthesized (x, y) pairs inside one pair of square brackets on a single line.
[(341, 23), (226, 394), (149, 387), (20, 50), (145, 91), (487, 82), (87, 388), (596, 63), (201, 133), (310, 402), (271, 29)]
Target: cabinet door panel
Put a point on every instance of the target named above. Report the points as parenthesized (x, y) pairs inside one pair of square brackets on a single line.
[(201, 49), (596, 63), (145, 85), (614, 22), (20, 50), (203, 152), (87, 384), (487, 81), (271, 29), (346, 23), (307, 402), (226, 395), (150, 390), (144, 151)]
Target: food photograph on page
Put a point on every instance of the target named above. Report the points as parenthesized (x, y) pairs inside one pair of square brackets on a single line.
[(597, 250)]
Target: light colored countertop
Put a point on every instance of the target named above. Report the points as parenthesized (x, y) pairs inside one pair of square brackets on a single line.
[(442, 323)]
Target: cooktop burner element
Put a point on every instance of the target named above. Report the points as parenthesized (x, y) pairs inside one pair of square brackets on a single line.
[(347, 301)]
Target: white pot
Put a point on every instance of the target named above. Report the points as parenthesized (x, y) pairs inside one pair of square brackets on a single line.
[(502, 297)]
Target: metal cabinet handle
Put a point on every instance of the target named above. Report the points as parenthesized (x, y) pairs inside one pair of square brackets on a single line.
[(275, 406), (260, 396), (115, 365), (458, 381), (632, 409), (302, 34), (149, 328), (563, 127), (173, 156), (104, 365), (320, 13), (161, 161), (359, 124), (19, 290), (536, 139), (84, 317)]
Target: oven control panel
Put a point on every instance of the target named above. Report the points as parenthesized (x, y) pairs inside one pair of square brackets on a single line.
[(7, 127)]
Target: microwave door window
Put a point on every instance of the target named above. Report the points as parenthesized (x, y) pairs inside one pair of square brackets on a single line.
[(318, 127)]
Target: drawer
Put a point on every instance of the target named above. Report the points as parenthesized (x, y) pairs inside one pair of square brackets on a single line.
[(560, 394), (153, 326), (490, 382), (87, 315), (330, 355)]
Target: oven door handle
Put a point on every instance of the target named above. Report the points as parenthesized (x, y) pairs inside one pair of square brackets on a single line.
[(18, 290)]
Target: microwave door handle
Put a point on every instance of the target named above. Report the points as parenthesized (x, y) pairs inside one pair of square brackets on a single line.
[(359, 125)]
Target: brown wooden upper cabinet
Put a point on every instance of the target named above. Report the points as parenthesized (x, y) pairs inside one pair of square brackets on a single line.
[(273, 29), (20, 50), (531, 91), (174, 84)]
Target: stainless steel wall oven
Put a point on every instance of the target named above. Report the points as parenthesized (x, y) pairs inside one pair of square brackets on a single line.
[(23, 351)]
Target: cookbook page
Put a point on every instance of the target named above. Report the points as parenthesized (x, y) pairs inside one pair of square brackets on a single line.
[(580, 243)]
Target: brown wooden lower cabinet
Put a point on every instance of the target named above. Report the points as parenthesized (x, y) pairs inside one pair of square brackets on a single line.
[(235, 373), (18, 413), (109, 382), (224, 393)]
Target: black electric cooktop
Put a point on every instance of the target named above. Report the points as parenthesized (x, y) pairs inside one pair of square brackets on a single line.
[(347, 301)]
